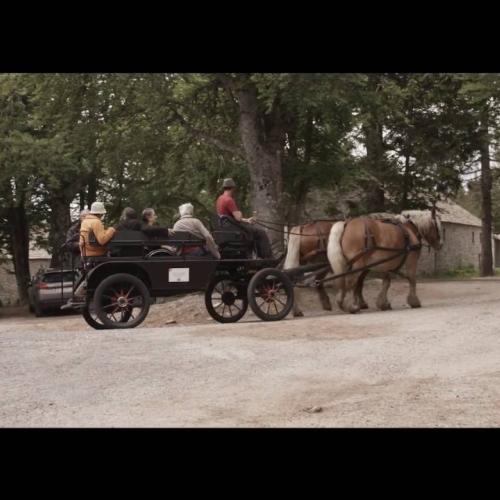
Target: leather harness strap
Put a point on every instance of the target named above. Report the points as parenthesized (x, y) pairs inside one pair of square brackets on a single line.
[(370, 245)]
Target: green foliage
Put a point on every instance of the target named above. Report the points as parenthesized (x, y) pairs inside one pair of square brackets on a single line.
[(163, 139), (458, 273)]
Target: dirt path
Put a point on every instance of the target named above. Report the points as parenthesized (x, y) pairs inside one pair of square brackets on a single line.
[(435, 366)]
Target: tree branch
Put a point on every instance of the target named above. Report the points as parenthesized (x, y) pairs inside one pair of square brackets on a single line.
[(209, 139)]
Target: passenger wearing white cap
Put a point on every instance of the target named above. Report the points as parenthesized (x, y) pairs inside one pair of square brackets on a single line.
[(93, 223), (190, 224)]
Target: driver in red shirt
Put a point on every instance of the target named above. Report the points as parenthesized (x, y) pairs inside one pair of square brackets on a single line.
[(229, 214)]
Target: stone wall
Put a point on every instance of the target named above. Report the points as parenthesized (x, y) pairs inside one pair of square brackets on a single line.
[(461, 248), (8, 286)]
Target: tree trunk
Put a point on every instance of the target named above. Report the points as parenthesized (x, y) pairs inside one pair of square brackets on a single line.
[(486, 183), (373, 132), (19, 249), (82, 199), (406, 184), (91, 190), (264, 162), (301, 188), (60, 222)]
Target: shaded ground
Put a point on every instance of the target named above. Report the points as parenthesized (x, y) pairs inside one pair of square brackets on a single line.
[(435, 366)]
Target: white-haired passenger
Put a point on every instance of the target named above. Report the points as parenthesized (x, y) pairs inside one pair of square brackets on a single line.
[(190, 224)]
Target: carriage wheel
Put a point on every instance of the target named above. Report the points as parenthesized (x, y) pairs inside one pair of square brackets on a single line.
[(121, 301), (90, 316), (270, 294), (226, 300)]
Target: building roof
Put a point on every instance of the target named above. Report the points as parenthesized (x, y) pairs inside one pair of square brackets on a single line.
[(449, 211)]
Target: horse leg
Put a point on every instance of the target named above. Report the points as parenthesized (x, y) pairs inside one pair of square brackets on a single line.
[(293, 260), (359, 290), (323, 295), (341, 294), (382, 303), (411, 273), (350, 286)]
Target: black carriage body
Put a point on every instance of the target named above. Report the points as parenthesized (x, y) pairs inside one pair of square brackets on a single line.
[(164, 276), (161, 269)]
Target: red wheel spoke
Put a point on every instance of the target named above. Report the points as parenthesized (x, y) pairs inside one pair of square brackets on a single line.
[(282, 303)]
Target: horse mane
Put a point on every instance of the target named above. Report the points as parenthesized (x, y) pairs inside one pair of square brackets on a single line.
[(423, 220)]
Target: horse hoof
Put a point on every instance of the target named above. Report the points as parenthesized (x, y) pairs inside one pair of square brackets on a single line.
[(299, 314), (414, 303), (354, 310), (386, 307), (364, 305)]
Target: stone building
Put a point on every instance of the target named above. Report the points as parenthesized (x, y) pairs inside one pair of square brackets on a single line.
[(8, 287), (461, 241)]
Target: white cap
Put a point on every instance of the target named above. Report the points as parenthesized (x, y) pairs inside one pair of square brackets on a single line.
[(97, 208), (186, 209)]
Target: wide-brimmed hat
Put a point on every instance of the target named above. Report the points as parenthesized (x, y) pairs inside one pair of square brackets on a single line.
[(228, 183), (97, 208)]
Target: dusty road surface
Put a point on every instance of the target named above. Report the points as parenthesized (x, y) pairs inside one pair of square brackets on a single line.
[(438, 366)]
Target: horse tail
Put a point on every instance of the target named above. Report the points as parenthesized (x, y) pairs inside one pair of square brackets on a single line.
[(293, 249), (335, 254)]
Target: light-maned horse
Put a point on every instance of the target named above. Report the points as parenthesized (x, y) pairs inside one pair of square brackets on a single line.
[(307, 244), (361, 242)]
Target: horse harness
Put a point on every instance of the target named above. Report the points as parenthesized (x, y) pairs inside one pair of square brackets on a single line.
[(371, 246), (322, 243)]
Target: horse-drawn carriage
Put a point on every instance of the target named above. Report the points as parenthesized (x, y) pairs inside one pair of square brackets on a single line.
[(121, 285)]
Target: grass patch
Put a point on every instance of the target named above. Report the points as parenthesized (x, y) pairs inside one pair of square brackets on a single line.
[(459, 273)]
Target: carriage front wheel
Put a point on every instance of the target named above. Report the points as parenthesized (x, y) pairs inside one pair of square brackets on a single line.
[(121, 301), (270, 294), (226, 300)]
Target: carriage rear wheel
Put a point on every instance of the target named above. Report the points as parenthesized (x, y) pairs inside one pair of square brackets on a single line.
[(226, 300), (90, 316), (121, 301), (270, 294)]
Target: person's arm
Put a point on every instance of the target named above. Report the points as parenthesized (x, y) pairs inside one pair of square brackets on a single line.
[(209, 239), (103, 235), (236, 213)]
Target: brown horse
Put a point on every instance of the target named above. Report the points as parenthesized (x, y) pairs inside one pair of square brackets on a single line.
[(363, 242), (307, 244)]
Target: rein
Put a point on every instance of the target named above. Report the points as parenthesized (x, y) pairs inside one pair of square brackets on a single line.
[(263, 224)]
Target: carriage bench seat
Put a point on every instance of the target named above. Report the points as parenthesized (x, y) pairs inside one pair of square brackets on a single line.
[(232, 238), (136, 243)]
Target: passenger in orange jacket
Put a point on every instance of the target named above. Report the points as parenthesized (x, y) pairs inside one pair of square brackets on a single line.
[(93, 223)]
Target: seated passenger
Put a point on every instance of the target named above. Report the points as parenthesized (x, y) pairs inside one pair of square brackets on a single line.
[(188, 223), (73, 238), (149, 226), (129, 221), (93, 224)]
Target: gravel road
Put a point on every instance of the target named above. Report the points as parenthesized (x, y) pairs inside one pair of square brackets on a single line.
[(438, 366)]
